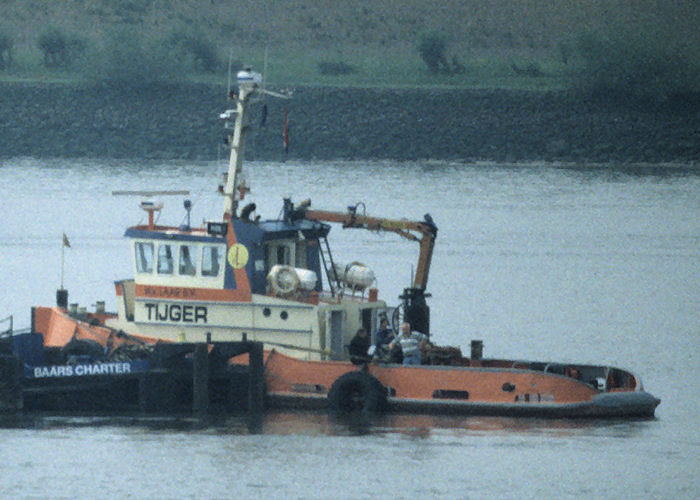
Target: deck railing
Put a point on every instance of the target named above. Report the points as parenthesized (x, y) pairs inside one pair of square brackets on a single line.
[(8, 332)]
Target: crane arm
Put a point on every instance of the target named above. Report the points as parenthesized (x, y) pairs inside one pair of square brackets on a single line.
[(424, 232)]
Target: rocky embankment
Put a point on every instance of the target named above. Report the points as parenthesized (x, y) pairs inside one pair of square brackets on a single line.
[(41, 120)]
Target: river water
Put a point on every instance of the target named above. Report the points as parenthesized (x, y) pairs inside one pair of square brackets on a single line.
[(594, 264)]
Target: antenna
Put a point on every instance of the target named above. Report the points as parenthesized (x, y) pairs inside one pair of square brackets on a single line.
[(264, 69), (188, 207), (230, 62), (263, 119)]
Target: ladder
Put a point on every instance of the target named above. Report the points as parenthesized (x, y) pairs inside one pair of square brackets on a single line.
[(328, 265)]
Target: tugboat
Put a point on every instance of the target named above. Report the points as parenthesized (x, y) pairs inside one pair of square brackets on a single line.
[(277, 282)]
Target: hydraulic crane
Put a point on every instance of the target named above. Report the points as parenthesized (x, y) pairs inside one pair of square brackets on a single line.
[(414, 307)]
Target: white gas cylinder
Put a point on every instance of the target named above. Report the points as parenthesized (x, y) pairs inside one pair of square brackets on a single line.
[(307, 278), (355, 275), (287, 279)]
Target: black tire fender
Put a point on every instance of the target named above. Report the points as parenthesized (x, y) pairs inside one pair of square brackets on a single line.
[(83, 347), (357, 391), (130, 352)]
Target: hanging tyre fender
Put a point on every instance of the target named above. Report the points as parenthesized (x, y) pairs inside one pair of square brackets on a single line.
[(84, 348), (130, 352), (357, 391)]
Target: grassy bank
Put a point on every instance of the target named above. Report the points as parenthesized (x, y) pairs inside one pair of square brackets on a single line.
[(370, 67), (486, 44)]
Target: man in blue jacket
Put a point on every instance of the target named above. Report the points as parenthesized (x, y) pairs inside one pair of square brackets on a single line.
[(384, 335)]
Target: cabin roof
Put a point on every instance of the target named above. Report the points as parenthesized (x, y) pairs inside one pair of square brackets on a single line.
[(274, 229), (172, 233), (269, 230)]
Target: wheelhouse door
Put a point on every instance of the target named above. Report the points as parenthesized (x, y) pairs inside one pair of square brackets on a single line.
[(334, 333)]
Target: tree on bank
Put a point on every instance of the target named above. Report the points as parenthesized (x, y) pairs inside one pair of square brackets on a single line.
[(60, 50), (6, 45), (432, 48), (193, 49), (54, 47)]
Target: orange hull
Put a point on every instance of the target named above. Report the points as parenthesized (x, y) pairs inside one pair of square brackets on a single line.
[(466, 390), (495, 387), (284, 373)]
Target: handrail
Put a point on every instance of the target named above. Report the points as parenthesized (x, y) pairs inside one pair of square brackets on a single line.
[(8, 332)]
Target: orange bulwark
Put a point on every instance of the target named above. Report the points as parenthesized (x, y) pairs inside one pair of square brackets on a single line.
[(463, 390)]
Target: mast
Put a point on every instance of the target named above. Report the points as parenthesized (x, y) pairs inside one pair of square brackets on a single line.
[(249, 84), (235, 188)]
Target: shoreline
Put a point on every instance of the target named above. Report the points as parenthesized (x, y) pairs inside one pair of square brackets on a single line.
[(330, 123)]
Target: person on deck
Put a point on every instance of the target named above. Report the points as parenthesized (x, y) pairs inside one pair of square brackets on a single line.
[(384, 336), (411, 344), (358, 347)]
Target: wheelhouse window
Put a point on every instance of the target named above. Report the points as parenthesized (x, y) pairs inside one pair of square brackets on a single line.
[(188, 259), (283, 255), (212, 257), (144, 257), (300, 255), (165, 259), (281, 252)]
